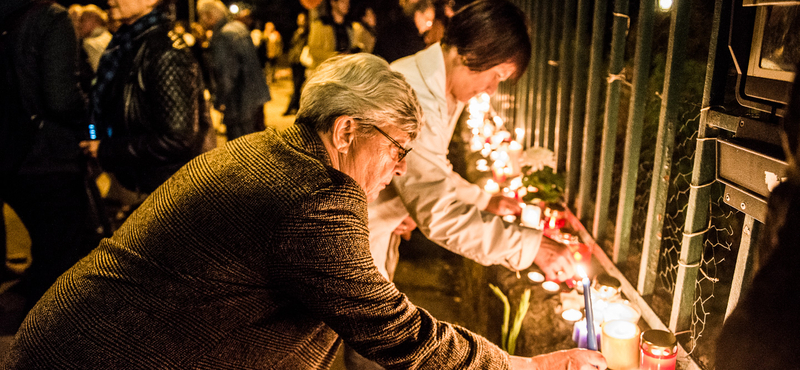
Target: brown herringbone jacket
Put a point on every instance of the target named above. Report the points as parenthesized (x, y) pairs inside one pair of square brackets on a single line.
[(252, 256)]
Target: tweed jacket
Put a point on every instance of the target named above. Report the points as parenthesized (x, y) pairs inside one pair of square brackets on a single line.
[(252, 256)]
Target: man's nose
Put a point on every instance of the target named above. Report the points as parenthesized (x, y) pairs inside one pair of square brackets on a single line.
[(401, 167)]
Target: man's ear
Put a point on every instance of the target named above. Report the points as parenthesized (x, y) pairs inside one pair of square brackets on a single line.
[(343, 133)]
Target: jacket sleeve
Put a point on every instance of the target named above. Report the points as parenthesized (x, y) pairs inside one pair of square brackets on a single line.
[(63, 100), (172, 89), (226, 64), (330, 271)]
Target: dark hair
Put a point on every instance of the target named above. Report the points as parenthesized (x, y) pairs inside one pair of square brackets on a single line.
[(487, 33)]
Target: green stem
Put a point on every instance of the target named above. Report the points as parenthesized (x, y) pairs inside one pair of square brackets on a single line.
[(522, 310), (506, 314)]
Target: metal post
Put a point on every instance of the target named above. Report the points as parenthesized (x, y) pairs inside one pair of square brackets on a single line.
[(665, 145), (566, 53), (743, 274), (578, 100), (611, 118), (541, 61), (633, 137), (592, 106), (552, 68)]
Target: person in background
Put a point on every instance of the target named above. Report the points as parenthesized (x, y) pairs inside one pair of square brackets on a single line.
[(763, 332), (331, 34), (364, 32), (400, 29), (444, 10), (239, 263), (85, 70), (148, 108), (486, 42), (274, 49), (43, 174), (299, 41), (239, 89), (92, 30)]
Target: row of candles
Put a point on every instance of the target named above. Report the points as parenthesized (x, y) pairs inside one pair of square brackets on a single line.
[(615, 331), (614, 326)]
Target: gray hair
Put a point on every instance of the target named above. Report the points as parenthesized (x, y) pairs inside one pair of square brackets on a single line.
[(362, 86)]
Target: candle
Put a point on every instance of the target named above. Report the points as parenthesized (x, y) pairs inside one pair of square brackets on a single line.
[(620, 342), (498, 172), (536, 276), (551, 286), (587, 300), (531, 216), (571, 315), (580, 335), (491, 187), (621, 310), (659, 350), (515, 155), (520, 133)]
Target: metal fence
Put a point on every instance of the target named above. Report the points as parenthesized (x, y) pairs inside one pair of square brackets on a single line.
[(641, 167)]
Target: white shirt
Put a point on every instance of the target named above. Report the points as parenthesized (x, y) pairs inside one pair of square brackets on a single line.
[(446, 208)]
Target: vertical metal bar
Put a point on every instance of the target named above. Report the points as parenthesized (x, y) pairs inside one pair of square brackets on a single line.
[(541, 60), (665, 145), (611, 118), (566, 52), (530, 117), (522, 88), (592, 106), (578, 100), (633, 136), (743, 274), (552, 75), (705, 154)]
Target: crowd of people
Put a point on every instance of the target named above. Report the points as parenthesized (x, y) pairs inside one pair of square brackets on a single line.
[(226, 257)]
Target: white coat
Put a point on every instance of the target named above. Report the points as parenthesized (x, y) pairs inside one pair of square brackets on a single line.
[(446, 207)]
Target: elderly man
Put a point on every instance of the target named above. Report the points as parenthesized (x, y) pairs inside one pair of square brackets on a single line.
[(255, 255), (237, 81)]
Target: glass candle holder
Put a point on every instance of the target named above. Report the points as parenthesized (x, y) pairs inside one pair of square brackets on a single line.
[(659, 350), (620, 345), (607, 286)]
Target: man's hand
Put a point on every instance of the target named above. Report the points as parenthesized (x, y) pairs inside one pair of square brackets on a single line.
[(90, 147), (406, 227), (555, 260), (502, 205), (573, 359)]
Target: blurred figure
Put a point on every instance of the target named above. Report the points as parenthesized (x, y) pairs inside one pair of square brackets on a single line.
[(273, 45), (85, 70), (43, 175), (299, 41), (444, 10), (400, 30), (364, 32), (148, 107), (239, 89), (92, 30), (331, 34)]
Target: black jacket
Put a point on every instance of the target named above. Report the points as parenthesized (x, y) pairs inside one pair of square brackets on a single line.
[(43, 108), (157, 112)]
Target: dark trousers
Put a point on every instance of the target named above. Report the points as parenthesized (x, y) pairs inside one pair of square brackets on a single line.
[(55, 210), (245, 123), (298, 78)]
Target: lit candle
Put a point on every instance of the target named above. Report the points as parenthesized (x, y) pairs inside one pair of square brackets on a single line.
[(551, 286), (620, 342), (491, 187), (580, 336), (536, 276), (520, 133), (571, 315), (515, 155), (482, 165), (659, 350), (531, 216), (621, 310), (587, 300)]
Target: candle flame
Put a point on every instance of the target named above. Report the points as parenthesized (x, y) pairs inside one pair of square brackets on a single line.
[(582, 271)]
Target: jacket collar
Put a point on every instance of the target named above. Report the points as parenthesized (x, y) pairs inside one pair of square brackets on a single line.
[(305, 139), (430, 63)]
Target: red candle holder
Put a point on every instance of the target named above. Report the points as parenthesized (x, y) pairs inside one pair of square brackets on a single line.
[(659, 350)]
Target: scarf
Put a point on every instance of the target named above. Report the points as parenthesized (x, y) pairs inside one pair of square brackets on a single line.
[(123, 46)]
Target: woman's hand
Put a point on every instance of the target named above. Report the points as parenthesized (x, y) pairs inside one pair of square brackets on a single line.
[(502, 205), (573, 359)]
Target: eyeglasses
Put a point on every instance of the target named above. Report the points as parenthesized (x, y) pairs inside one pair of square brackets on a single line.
[(401, 152)]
